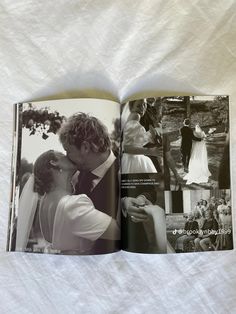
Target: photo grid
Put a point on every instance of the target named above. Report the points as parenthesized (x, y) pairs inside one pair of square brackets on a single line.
[(174, 190), (175, 182)]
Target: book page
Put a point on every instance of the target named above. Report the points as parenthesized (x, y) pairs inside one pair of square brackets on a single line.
[(65, 186), (175, 182)]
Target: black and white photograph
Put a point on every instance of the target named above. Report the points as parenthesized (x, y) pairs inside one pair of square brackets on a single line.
[(198, 221), (153, 173), (141, 137), (143, 226), (66, 186), (146, 144), (198, 132)]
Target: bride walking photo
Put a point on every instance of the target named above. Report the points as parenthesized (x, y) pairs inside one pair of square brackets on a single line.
[(198, 129), (198, 171)]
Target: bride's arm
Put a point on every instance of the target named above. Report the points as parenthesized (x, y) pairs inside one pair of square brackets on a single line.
[(85, 221), (195, 138), (158, 215), (113, 230)]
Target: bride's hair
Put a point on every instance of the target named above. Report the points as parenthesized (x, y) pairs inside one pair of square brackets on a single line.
[(198, 132), (43, 177), (197, 127), (133, 102)]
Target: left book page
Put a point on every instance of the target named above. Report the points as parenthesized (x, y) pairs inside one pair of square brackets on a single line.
[(65, 177)]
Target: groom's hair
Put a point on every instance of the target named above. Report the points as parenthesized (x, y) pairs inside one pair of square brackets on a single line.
[(187, 121), (81, 128)]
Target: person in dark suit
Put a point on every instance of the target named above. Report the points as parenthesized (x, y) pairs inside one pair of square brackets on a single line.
[(88, 145), (186, 143), (153, 117), (224, 171)]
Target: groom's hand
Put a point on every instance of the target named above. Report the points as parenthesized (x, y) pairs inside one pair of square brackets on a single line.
[(131, 207)]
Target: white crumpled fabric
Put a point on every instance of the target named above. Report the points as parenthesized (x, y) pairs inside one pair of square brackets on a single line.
[(114, 50)]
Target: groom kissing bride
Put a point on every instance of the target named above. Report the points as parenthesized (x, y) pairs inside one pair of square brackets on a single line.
[(194, 154), (76, 195)]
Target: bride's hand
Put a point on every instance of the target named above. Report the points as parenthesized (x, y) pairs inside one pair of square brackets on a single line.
[(153, 210)]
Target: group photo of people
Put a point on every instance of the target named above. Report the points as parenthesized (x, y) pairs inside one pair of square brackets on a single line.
[(202, 220)]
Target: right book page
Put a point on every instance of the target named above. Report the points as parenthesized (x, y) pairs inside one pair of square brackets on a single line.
[(175, 175)]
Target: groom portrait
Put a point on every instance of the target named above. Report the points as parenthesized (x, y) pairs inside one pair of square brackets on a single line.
[(186, 142), (87, 143)]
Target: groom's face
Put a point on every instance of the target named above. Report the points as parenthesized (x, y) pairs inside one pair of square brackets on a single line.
[(77, 155)]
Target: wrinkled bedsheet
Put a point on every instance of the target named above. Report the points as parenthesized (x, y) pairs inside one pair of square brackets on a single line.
[(115, 50)]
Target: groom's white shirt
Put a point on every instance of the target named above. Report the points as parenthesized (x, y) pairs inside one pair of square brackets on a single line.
[(101, 170)]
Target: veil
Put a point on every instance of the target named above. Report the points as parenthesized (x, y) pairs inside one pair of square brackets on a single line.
[(124, 115), (26, 211), (198, 128), (198, 131)]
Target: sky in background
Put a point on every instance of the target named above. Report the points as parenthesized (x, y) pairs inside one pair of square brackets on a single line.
[(105, 110)]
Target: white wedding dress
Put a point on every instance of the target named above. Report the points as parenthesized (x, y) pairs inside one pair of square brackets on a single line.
[(76, 224), (134, 134), (198, 171)]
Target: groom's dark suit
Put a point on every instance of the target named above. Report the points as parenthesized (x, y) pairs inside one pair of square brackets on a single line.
[(105, 197), (186, 143)]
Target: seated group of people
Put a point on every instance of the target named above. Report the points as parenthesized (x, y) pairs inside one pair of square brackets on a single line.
[(208, 227)]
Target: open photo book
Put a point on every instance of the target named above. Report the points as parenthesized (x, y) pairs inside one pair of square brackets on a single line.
[(93, 176)]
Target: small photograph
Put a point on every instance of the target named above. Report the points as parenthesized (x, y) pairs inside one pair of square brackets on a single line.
[(66, 194), (198, 131), (143, 216), (141, 137), (199, 220)]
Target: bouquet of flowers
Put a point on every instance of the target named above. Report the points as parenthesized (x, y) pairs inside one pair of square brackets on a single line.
[(211, 131)]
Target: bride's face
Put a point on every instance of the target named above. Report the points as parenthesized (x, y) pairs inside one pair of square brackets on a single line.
[(65, 164), (140, 107)]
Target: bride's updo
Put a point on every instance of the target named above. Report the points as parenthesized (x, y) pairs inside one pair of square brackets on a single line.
[(43, 177), (198, 131), (133, 103)]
